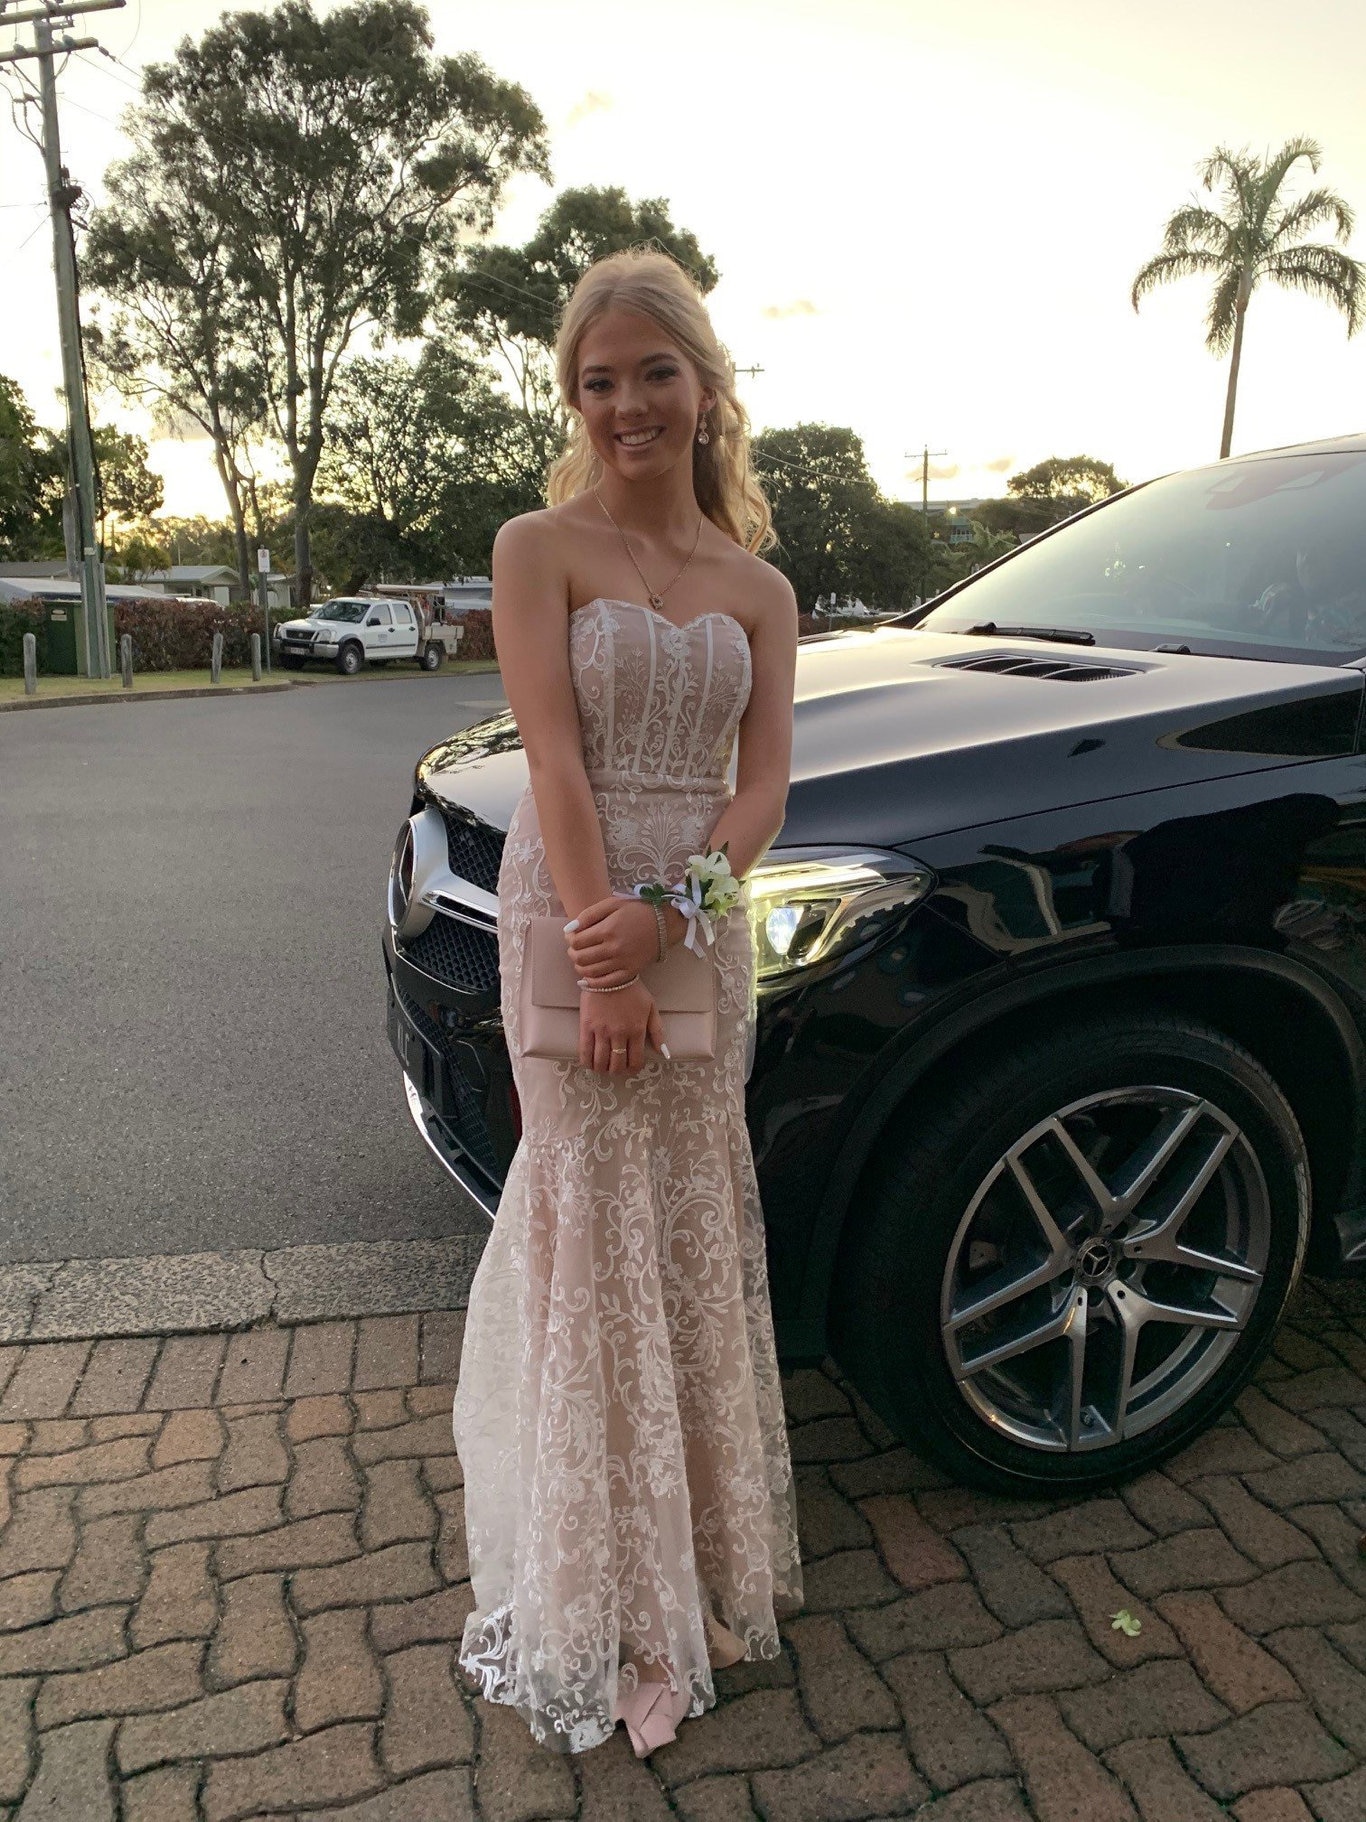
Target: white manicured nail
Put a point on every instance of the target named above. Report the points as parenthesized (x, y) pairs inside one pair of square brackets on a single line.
[(571, 926), (664, 1052)]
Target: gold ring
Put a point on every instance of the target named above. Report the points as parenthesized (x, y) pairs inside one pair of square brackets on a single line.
[(620, 1050)]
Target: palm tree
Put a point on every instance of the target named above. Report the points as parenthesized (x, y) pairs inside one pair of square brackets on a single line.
[(1255, 234)]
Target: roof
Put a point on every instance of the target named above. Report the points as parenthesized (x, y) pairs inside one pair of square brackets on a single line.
[(56, 567), (62, 588), (191, 572)]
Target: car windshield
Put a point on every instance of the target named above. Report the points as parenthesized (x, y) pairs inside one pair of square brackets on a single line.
[(1265, 557), (341, 610)]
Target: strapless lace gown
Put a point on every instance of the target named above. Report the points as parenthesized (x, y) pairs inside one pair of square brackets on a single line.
[(619, 1417)]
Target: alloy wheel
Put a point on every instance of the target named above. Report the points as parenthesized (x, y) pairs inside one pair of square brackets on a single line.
[(1105, 1267)]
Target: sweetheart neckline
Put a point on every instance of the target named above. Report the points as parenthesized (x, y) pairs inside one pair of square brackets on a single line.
[(615, 601)]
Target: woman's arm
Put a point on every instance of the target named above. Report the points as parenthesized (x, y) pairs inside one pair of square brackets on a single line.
[(530, 638), (754, 816)]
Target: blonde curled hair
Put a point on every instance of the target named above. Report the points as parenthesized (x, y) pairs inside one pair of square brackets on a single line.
[(655, 285)]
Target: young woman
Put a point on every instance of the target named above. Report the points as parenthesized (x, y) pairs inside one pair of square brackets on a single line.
[(628, 1487)]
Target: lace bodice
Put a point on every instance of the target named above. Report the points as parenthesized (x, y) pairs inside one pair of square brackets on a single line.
[(655, 699)]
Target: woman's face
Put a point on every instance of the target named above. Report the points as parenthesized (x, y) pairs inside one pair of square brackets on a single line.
[(640, 396)]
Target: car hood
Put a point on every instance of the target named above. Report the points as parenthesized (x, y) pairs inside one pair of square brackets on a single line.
[(894, 741)]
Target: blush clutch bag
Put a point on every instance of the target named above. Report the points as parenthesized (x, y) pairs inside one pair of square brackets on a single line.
[(683, 986)]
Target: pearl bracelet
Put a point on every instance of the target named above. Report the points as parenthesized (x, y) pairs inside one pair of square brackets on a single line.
[(588, 986)]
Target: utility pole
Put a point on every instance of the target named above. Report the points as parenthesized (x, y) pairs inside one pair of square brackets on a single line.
[(92, 644), (750, 370), (925, 455)]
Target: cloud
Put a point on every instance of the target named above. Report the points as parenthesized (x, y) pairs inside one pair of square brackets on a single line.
[(998, 464), (594, 102), (801, 306), (944, 471)]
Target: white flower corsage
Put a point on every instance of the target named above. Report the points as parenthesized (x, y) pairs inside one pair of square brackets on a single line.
[(706, 891)]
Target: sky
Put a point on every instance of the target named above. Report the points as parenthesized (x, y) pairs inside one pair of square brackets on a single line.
[(927, 218)]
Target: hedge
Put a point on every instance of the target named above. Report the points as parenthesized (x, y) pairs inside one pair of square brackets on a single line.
[(172, 635), (16, 619), (168, 634), (477, 641)]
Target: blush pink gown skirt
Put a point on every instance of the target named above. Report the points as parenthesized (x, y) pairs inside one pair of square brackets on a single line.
[(628, 1486)]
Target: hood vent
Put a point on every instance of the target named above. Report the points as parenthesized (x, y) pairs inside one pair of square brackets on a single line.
[(1055, 670)]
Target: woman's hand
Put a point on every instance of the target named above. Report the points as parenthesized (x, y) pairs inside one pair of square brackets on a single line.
[(613, 1028), (615, 939)]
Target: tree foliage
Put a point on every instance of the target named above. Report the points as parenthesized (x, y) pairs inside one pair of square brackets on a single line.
[(1047, 493), (1254, 235), (837, 534), (428, 458), (336, 161), (30, 478), (1078, 477), (168, 330), (509, 300)]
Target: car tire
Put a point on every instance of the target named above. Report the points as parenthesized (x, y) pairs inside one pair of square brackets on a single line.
[(350, 659), (430, 658), (1066, 1381)]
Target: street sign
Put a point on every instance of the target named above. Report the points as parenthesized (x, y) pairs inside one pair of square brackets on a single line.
[(263, 562)]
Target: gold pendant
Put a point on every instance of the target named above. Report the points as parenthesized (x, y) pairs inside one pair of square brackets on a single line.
[(656, 601)]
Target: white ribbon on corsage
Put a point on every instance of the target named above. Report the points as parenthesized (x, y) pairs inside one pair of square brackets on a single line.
[(688, 899)]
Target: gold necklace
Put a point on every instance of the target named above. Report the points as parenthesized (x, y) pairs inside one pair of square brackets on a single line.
[(656, 600)]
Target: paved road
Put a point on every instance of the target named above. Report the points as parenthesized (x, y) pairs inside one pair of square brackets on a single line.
[(192, 1052)]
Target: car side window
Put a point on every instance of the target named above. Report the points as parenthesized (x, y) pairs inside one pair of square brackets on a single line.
[(379, 615)]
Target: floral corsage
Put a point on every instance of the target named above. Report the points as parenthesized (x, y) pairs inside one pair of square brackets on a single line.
[(706, 891)]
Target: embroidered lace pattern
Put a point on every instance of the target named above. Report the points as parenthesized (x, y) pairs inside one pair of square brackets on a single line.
[(619, 1416)]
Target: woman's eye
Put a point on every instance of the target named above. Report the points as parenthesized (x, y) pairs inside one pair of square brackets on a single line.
[(595, 385), (664, 373)]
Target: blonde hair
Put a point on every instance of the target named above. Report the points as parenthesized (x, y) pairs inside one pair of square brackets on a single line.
[(654, 284)]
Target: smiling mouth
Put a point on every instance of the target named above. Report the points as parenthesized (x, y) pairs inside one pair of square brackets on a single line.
[(637, 439)]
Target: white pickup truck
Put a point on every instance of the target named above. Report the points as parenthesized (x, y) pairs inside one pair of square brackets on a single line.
[(353, 630)]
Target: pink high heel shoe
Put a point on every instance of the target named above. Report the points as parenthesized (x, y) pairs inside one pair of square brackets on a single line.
[(723, 1646), (651, 1712)]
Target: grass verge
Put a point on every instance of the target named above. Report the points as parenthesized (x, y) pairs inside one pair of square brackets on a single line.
[(157, 683)]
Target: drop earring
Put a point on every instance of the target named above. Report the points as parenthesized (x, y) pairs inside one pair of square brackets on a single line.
[(702, 436)]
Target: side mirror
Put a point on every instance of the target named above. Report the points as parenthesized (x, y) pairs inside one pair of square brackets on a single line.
[(373, 620)]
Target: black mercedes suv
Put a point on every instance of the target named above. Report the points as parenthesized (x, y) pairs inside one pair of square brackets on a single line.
[(1058, 1077)]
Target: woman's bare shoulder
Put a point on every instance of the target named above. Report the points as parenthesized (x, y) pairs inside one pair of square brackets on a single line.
[(765, 585), (529, 530)]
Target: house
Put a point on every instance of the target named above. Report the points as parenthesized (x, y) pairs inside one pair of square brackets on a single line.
[(196, 582), (951, 519), (213, 582)]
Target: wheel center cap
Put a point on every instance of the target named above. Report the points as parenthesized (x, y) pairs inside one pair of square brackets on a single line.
[(1095, 1260)]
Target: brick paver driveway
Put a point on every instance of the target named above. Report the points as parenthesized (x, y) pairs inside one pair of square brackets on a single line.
[(232, 1568)]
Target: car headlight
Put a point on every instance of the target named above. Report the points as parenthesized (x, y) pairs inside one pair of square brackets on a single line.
[(809, 903)]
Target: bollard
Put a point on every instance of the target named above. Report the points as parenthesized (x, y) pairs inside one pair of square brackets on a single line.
[(30, 664), (126, 660), (256, 657), (216, 658)]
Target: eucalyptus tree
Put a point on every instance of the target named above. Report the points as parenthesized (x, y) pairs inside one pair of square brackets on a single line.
[(343, 161), (168, 330), (1256, 234), (508, 300)]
